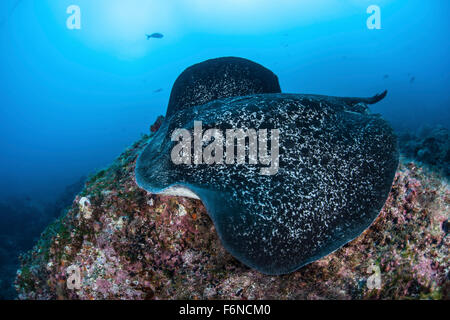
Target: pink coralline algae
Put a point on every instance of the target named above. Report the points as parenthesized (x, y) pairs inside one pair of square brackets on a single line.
[(129, 244)]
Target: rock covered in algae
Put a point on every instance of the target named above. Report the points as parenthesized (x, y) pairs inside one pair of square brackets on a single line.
[(137, 245)]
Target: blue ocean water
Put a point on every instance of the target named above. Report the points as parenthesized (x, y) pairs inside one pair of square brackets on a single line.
[(71, 100)]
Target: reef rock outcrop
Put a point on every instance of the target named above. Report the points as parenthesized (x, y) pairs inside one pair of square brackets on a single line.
[(137, 245)]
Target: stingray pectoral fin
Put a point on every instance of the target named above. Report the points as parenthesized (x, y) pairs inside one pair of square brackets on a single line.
[(372, 100)]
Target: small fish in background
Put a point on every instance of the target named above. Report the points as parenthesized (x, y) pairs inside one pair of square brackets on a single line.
[(154, 36), (386, 76), (158, 90), (412, 79)]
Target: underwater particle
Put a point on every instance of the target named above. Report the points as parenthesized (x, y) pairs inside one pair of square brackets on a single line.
[(336, 166), (220, 78)]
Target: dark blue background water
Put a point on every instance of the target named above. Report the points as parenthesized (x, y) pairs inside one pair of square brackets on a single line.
[(72, 100)]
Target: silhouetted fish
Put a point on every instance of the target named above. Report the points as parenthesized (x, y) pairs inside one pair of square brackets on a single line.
[(155, 35)]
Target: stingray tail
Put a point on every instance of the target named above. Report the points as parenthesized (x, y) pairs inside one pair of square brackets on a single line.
[(372, 100)]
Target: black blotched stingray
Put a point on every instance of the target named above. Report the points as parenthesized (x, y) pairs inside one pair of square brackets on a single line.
[(336, 164), (155, 35)]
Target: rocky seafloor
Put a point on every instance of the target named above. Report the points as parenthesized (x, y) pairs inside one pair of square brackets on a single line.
[(429, 145), (130, 244)]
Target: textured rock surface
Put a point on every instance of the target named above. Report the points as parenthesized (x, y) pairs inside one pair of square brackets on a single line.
[(430, 145), (336, 167), (135, 245)]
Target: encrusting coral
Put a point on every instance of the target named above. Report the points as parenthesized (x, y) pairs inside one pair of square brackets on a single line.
[(129, 244)]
